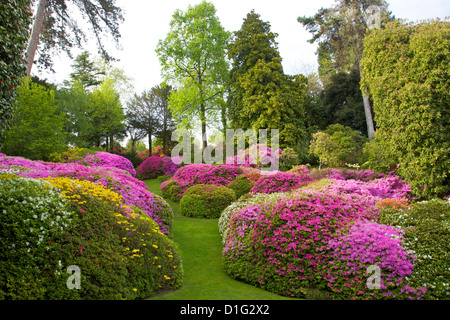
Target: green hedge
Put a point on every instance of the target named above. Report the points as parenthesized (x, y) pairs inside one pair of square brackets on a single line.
[(206, 201), (428, 236)]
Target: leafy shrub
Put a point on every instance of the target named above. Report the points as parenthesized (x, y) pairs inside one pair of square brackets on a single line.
[(337, 146), (173, 189), (33, 219), (164, 178), (280, 182), (405, 69), (75, 155), (15, 19), (155, 166), (288, 159), (241, 185), (427, 235), (206, 201), (121, 252), (376, 158)]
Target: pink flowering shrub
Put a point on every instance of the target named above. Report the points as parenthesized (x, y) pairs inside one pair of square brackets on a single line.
[(280, 182), (133, 191), (219, 175), (344, 174), (257, 155), (190, 172), (282, 245), (105, 159), (365, 245), (156, 166)]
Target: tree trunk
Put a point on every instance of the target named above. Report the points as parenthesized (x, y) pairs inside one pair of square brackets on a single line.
[(35, 33), (149, 143), (203, 119), (369, 119)]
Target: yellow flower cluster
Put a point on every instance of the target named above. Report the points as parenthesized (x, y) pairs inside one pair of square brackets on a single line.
[(72, 189)]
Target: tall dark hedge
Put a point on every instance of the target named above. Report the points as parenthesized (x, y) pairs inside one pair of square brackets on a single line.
[(15, 20)]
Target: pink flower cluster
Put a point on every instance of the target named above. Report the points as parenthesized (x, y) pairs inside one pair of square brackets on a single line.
[(280, 182), (156, 166), (133, 191), (255, 156), (370, 244), (106, 159)]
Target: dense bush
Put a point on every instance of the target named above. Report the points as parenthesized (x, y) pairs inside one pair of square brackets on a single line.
[(241, 185), (60, 222), (15, 20), (281, 245), (156, 166), (427, 235), (133, 191), (206, 201), (106, 159), (369, 244), (280, 182), (337, 146), (288, 159), (405, 68), (173, 189), (257, 156)]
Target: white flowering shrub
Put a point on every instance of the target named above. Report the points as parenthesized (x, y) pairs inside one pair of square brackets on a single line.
[(427, 236), (32, 218)]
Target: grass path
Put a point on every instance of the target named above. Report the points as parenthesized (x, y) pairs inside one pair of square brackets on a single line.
[(201, 250)]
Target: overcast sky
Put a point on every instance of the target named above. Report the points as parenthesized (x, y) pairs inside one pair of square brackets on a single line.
[(146, 22)]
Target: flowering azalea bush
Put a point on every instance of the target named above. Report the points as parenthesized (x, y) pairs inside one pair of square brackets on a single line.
[(156, 166), (281, 245), (57, 222), (280, 182), (256, 155), (134, 192), (366, 245), (105, 159)]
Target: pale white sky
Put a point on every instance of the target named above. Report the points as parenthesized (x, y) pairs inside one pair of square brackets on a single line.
[(147, 22)]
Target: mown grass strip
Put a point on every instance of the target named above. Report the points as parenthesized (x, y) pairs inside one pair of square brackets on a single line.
[(201, 250)]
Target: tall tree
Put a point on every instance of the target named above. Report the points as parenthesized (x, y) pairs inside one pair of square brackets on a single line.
[(85, 72), (340, 31), (56, 28), (37, 127), (107, 114), (261, 95), (193, 60), (150, 112)]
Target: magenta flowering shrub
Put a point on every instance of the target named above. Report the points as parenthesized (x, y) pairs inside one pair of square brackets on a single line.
[(190, 172), (344, 174), (219, 175), (370, 245), (156, 166), (133, 191), (255, 156), (282, 245), (105, 159), (280, 182)]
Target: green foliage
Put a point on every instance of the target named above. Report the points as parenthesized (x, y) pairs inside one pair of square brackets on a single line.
[(36, 130), (33, 220), (241, 185), (375, 157), (288, 159), (338, 146), (193, 58), (15, 19), (172, 190), (428, 236), (261, 95), (405, 68), (120, 251), (206, 201)]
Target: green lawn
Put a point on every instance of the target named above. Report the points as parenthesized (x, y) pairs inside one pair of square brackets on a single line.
[(201, 250)]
